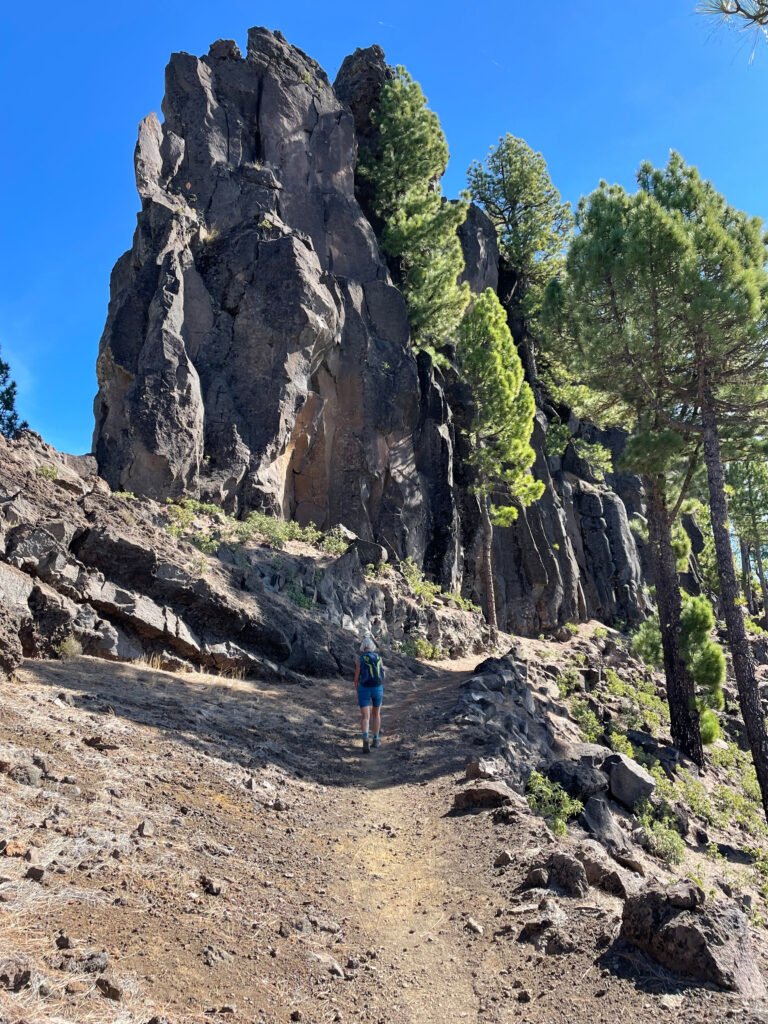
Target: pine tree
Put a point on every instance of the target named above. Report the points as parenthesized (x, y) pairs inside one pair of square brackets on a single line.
[(673, 286), (10, 426), (748, 481), (744, 13), (503, 410), (419, 234), (532, 223)]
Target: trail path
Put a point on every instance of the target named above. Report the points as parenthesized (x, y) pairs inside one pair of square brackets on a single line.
[(347, 886)]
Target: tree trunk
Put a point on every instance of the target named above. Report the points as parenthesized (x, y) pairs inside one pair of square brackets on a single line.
[(761, 576), (743, 665), (487, 568), (681, 692), (746, 576)]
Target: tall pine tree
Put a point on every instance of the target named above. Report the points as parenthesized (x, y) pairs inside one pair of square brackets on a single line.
[(673, 281), (532, 223), (501, 425), (408, 159)]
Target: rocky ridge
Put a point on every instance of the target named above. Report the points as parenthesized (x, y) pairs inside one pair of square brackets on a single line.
[(255, 282)]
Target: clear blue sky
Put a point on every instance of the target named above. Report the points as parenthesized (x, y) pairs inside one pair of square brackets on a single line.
[(596, 85)]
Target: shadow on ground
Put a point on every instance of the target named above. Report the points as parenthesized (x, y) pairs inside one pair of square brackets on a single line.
[(312, 732)]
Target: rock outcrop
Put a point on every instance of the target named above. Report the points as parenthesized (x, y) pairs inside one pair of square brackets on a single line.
[(256, 352), (82, 569), (703, 940)]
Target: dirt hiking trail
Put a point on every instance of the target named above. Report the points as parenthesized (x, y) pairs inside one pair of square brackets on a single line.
[(231, 855)]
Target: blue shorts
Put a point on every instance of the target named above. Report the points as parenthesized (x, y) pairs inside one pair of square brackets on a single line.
[(367, 695)]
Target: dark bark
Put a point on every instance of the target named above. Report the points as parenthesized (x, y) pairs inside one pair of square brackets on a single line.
[(746, 573), (761, 576), (681, 692), (741, 652), (487, 567)]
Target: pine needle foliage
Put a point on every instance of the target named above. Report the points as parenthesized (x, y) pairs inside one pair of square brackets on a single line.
[(10, 425), (419, 234), (503, 405), (532, 222)]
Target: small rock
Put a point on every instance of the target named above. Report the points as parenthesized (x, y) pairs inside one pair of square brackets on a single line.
[(487, 768), (523, 996), (567, 873), (629, 782), (297, 1015), (213, 886), (35, 872), (332, 966), (504, 858), (671, 1002), (537, 877), (215, 955), (14, 848), (145, 828), (99, 743), (27, 775), (109, 988), (473, 926), (76, 988), (14, 974)]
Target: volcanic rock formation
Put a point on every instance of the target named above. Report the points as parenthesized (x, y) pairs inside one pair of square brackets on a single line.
[(256, 352)]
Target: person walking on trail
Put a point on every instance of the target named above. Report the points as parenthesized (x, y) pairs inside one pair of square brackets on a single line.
[(369, 679)]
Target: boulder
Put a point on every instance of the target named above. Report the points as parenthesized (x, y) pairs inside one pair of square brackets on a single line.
[(567, 872), (629, 782), (598, 819), (704, 940), (577, 778), (488, 794)]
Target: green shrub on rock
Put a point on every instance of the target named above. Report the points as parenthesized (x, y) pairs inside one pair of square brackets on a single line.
[(551, 801)]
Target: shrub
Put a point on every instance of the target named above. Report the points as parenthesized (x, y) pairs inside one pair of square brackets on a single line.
[(568, 681), (334, 542), (550, 800), (464, 603), (646, 643), (618, 741), (663, 838), (296, 594), (710, 727), (207, 542), (424, 589), (48, 472), (665, 842), (418, 647), (587, 721), (69, 648)]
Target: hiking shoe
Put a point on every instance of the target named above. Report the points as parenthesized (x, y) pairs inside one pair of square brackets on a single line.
[(375, 741), (366, 747)]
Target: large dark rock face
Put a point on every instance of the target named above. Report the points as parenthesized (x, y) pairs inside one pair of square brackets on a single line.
[(257, 354), (255, 350)]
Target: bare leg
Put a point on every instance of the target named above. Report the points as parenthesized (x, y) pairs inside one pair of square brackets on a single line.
[(376, 720), (364, 716)]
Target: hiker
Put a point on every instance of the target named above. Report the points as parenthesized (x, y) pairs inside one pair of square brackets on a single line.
[(369, 676)]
